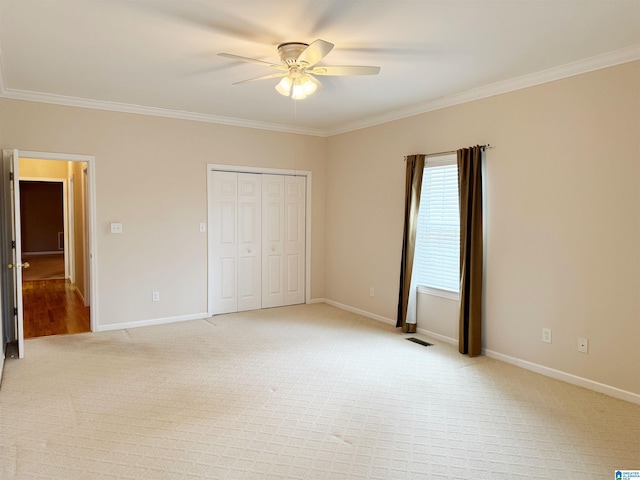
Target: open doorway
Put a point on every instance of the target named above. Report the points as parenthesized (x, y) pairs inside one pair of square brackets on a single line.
[(53, 206)]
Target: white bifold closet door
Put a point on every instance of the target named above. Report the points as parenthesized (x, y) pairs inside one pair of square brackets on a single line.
[(283, 235), (257, 244), (236, 241)]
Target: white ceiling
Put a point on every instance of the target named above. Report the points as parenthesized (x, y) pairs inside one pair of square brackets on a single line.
[(159, 56)]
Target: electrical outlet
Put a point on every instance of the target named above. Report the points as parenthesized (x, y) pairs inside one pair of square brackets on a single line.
[(583, 345), (546, 335), (155, 296), (371, 291)]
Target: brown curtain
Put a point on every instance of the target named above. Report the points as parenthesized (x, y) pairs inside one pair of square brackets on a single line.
[(413, 186), (471, 250)]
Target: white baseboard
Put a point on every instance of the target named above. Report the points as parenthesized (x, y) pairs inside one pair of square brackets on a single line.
[(437, 336), (79, 293), (566, 377), (364, 313), (534, 367), (388, 321), (151, 322)]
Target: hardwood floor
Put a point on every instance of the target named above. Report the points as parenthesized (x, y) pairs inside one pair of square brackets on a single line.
[(53, 307), (43, 267)]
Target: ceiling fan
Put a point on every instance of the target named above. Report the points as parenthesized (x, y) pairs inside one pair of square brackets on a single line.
[(299, 68)]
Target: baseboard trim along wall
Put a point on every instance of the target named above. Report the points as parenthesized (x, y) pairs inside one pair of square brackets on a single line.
[(437, 336), (534, 367), (566, 377), (364, 313), (151, 322)]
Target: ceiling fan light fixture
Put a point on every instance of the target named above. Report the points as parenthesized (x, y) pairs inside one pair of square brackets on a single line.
[(308, 85), (298, 90), (284, 86)]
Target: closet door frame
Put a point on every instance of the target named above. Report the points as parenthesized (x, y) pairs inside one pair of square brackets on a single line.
[(272, 171)]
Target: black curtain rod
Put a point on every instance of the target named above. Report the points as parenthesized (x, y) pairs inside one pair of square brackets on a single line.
[(439, 154)]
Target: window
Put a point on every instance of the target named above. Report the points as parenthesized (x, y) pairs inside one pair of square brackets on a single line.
[(437, 255)]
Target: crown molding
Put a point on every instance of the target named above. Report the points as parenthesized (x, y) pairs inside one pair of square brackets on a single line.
[(610, 59), (152, 111)]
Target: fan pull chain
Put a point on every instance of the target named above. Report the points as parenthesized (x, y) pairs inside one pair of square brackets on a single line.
[(295, 124)]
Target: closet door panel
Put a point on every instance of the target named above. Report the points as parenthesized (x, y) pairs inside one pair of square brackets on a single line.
[(249, 241), (273, 260), (224, 241), (295, 240), (227, 287)]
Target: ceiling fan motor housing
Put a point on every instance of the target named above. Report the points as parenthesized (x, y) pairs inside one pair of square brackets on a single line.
[(290, 51)]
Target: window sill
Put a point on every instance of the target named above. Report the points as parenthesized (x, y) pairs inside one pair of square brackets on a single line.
[(438, 292)]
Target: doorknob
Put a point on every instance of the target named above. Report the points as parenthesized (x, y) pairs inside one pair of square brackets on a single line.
[(19, 265)]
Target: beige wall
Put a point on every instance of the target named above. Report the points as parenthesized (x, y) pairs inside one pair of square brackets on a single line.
[(151, 176), (562, 218), (438, 316), (562, 190)]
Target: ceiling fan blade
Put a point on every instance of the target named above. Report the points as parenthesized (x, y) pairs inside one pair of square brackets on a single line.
[(330, 13), (263, 77), (343, 70), (399, 50), (253, 60), (210, 19), (315, 52)]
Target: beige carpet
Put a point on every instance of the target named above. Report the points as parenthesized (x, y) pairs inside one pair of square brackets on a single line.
[(307, 392)]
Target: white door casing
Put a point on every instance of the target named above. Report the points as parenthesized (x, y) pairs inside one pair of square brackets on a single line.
[(85, 237), (90, 216), (70, 252)]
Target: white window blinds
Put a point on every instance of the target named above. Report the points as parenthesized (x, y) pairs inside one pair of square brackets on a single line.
[(437, 255)]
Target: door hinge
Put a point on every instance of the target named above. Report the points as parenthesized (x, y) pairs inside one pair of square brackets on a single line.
[(10, 175), (13, 244), (15, 311)]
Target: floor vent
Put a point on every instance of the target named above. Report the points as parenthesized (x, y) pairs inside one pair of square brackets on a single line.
[(420, 342)]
